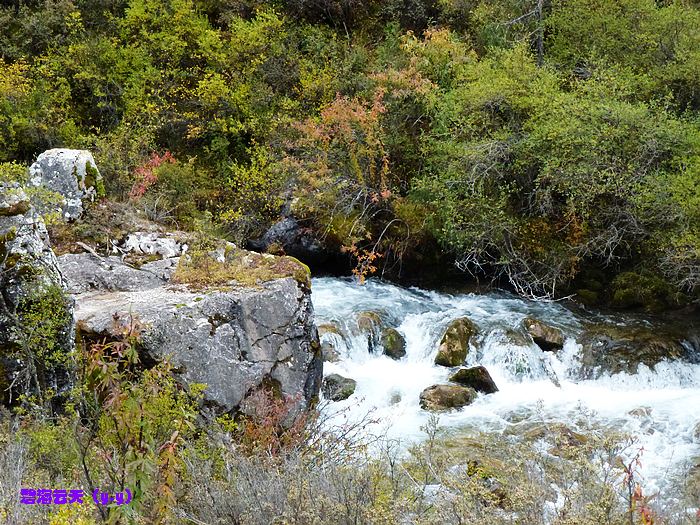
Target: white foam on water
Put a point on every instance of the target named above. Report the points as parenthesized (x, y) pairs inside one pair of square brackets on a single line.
[(541, 385)]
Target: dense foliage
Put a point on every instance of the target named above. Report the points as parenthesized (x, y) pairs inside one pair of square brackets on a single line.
[(553, 144)]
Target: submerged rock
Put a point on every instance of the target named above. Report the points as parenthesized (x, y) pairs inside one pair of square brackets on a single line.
[(393, 343), (35, 317), (445, 397), (235, 339), (547, 337), (337, 388), (477, 378), (454, 345), (613, 349), (70, 173)]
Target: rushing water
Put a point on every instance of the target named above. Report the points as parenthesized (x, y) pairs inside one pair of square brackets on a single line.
[(533, 385)]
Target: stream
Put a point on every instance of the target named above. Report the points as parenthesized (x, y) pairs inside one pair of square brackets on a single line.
[(661, 406)]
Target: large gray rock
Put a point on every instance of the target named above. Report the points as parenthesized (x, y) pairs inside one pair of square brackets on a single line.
[(70, 173), (35, 317), (235, 340)]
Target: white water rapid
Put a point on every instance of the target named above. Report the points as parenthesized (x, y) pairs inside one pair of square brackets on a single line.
[(533, 385)]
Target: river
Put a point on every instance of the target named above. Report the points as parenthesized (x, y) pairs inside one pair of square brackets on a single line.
[(661, 406)]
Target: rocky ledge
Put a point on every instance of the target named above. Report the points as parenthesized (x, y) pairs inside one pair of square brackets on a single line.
[(234, 339)]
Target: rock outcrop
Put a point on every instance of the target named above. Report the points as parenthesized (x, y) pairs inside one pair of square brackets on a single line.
[(477, 378), (35, 317), (547, 337), (439, 398), (72, 174), (234, 338), (337, 388), (454, 345), (289, 237)]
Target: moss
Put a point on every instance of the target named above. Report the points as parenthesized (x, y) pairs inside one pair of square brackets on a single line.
[(587, 297), (644, 290), (201, 269), (7, 237), (92, 178)]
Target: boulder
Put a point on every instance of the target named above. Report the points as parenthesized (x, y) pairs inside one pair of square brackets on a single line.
[(337, 388), (454, 345), (547, 337), (393, 343), (70, 173), (235, 339), (153, 243), (289, 237), (35, 315), (329, 353), (477, 378), (370, 323), (611, 349), (438, 398)]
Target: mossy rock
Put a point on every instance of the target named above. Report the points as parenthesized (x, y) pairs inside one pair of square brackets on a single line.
[(587, 297), (644, 290), (454, 345), (439, 398), (337, 388), (477, 378), (393, 343), (231, 265)]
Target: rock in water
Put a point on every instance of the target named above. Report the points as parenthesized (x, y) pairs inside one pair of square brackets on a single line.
[(613, 349), (370, 323), (547, 337), (235, 339), (438, 398), (454, 345), (393, 343), (36, 319), (477, 378), (337, 388), (70, 173)]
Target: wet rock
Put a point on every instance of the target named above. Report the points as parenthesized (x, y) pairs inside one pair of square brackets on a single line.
[(547, 337), (31, 292), (337, 388), (329, 353), (641, 412), (235, 340), (370, 323), (438, 398), (696, 433), (454, 345), (289, 237), (72, 174), (613, 349), (393, 343), (477, 378), (329, 328)]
